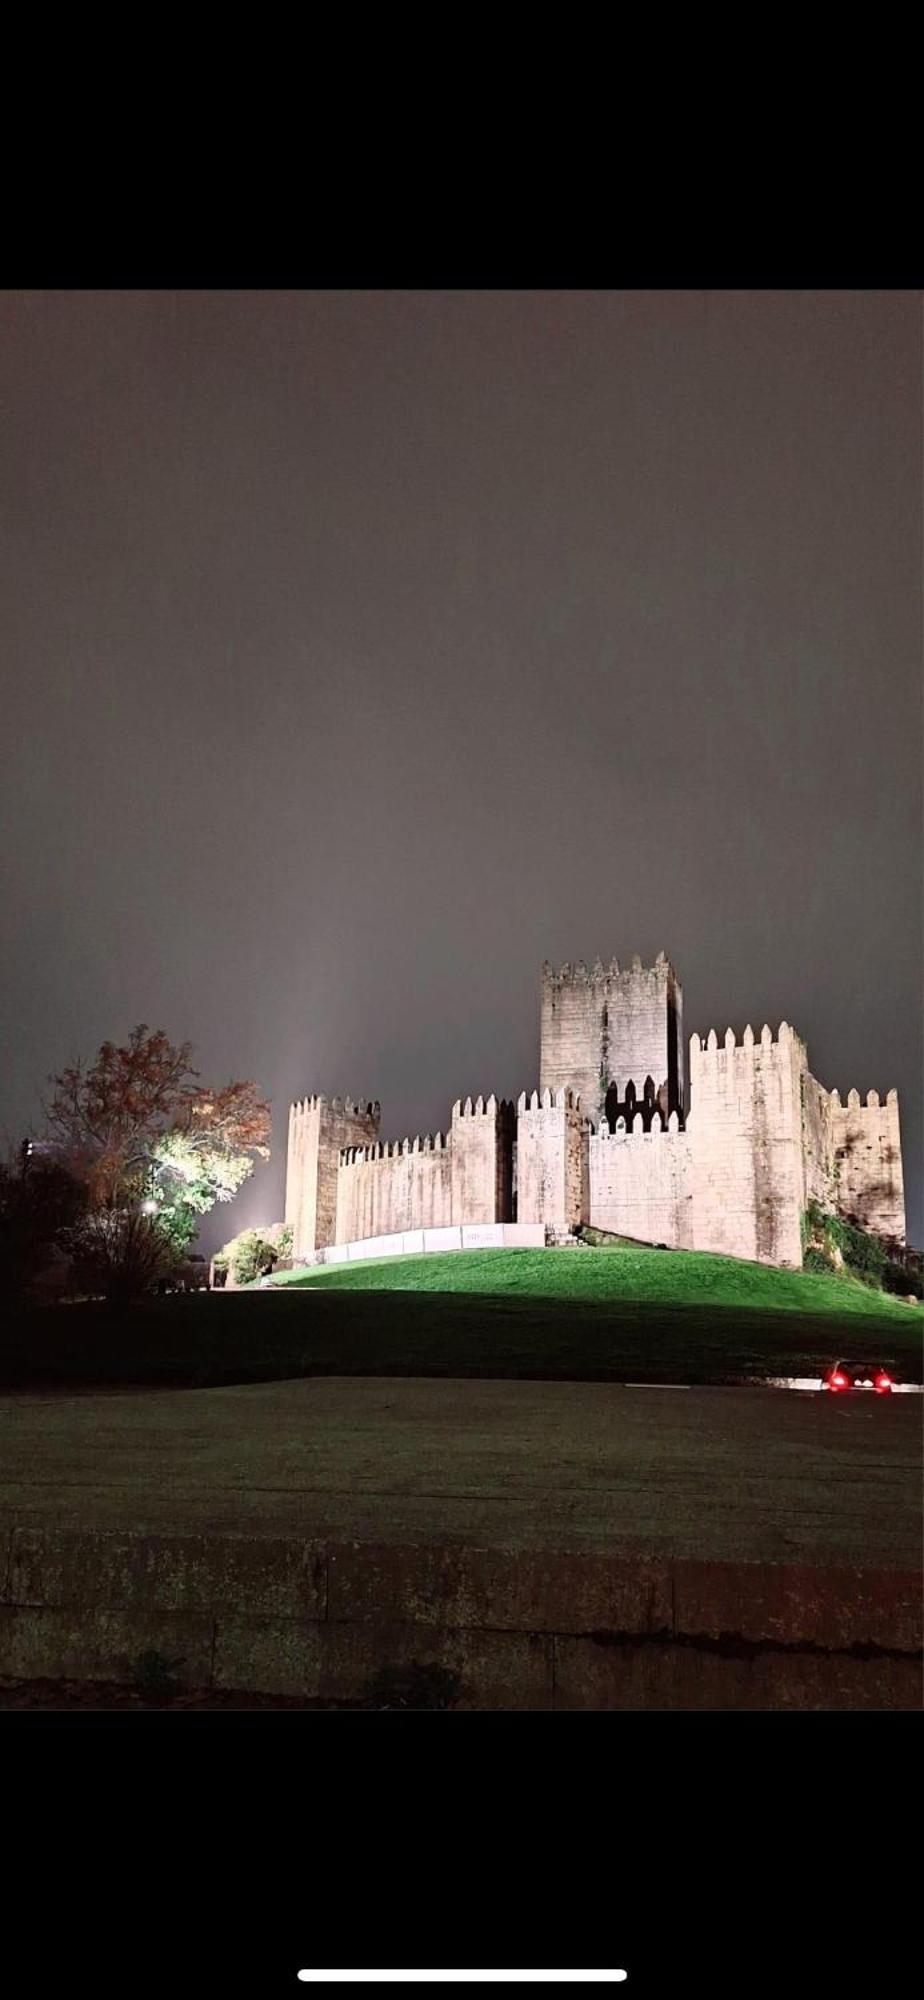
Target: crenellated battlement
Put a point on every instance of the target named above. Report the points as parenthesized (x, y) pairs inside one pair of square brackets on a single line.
[(350, 1107), (873, 1100), (564, 1099), (393, 1149), (785, 1038), (639, 1129), (603, 972), (624, 1103), (483, 1107)]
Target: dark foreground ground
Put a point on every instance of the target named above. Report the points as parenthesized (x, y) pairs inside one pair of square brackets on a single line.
[(205, 1339), (726, 1474), (479, 1544)]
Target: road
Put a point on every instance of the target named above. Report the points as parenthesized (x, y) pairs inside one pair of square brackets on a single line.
[(721, 1474)]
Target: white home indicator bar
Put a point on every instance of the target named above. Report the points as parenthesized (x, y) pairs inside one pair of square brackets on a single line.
[(418, 1978)]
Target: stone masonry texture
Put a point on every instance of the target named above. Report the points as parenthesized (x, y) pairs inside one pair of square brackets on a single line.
[(517, 1628), (605, 1026), (319, 1128)]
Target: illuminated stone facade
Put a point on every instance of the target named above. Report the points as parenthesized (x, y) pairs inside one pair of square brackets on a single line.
[(609, 1140)]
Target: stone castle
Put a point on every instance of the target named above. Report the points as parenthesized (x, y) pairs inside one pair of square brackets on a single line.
[(616, 1137)]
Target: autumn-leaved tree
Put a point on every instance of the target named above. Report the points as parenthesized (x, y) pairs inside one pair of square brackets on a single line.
[(107, 1119), (153, 1147)]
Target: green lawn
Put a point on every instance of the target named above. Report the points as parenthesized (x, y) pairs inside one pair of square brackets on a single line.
[(592, 1315), (643, 1276)]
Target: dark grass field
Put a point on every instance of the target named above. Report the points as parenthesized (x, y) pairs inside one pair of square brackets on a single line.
[(574, 1315)]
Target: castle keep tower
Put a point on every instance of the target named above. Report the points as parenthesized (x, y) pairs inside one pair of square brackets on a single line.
[(603, 1028), (318, 1128)]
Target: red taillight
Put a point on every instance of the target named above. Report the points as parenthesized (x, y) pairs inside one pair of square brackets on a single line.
[(883, 1382), (837, 1380)]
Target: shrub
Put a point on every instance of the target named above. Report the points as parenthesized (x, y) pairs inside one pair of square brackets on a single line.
[(119, 1255), (863, 1253), (897, 1278), (252, 1256)]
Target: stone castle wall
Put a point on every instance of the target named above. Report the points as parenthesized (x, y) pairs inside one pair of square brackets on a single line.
[(319, 1127), (818, 1143), (745, 1128), (868, 1162), (553, 1184), (602, 1025), (482, 1161), (464, 1176), (853, 1157), (761, 1140), (640, 1182), (385, 1190)]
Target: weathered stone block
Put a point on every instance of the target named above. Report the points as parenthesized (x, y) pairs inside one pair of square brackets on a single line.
[(339, 1662), (171, 1573), (503, 1590), (798, 1604), (594, 1675), (603, 1674), (805, 1680), (640, 1185), (102, 1645)]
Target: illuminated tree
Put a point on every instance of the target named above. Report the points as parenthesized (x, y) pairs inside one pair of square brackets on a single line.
[(147, 1140), (106, 1120)]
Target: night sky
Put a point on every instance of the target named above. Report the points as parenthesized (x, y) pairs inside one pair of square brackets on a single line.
[(363, 650)]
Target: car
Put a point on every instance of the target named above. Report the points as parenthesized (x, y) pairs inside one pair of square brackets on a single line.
[(848, 1377)]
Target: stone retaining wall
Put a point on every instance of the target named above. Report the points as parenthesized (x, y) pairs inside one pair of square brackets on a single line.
[(520, 1628), (435, 1242)]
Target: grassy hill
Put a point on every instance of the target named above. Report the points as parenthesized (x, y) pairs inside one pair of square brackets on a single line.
[(656, 1277), (553, 1315)]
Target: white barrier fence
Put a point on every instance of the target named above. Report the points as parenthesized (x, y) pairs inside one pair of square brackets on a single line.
[(419, 1242)]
